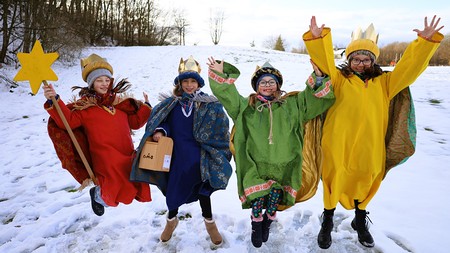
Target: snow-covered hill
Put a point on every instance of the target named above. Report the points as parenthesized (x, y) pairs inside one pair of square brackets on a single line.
[(41, 212)]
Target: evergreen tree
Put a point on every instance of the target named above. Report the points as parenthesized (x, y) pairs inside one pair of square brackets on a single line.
[(279, 44)]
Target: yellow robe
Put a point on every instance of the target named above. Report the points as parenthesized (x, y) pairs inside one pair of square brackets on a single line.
[(354, 130)]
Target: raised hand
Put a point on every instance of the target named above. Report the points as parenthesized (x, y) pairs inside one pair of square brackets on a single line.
[(145, 97), (314, 29), (316, 69), (429, 30), (213, 65), (49, 91)]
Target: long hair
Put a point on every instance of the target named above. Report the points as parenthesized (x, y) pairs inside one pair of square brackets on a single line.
[(122, 86), (177, 90)]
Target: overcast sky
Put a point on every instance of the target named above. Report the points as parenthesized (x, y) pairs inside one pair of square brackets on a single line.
[(257, 20)]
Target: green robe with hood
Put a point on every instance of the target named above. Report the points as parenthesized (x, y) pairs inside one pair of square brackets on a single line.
[(261, 166)]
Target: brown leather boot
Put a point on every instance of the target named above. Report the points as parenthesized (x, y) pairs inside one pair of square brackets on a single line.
[(168, 230), (213, 232)]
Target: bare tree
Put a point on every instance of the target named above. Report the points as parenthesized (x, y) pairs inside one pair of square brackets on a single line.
[(300, 50), (216, 26), (270, 42), (391, 54), (180, 25), (9, 18)]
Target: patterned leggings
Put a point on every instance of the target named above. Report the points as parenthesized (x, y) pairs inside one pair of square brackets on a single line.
[(270, 202)]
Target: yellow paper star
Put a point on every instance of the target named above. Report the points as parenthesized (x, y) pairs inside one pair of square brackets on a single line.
[(36, 67)]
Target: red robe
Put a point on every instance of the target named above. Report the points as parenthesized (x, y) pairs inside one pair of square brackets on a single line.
[(105, 136)]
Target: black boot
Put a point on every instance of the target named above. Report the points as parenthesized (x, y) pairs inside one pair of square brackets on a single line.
[(324, 237), (359, 223), (98, 209), (266, 227), (257, 233)]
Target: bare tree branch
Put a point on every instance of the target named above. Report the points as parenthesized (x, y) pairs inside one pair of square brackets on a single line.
[(216, 26)]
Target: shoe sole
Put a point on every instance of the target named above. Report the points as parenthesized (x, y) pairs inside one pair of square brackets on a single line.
[(215, 246), (368, 245), (324, 246)]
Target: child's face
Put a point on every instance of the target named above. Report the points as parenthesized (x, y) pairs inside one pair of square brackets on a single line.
[(101, 84), (189, 85), (267, 86), (359, 63)]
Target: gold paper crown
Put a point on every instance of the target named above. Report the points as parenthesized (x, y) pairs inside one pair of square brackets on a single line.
[(369, 34), (190, 65), (364, 40), (93, 62)]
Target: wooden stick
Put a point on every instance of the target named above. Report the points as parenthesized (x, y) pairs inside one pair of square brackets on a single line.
[(72, 136)]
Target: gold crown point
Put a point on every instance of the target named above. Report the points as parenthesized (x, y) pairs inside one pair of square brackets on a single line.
[(370, 33), (189, 65), (181, 66)]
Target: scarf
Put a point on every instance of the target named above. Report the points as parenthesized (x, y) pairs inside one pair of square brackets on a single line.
[(105, 100), (186, 103)]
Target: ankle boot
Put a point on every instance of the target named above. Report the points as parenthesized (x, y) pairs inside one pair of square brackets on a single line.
[(213, 232), (257, 231), (360, 224), (324, 238), (267, 221), (168, 230), (98, 208)]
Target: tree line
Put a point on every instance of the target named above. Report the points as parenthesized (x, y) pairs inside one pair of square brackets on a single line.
[(392, 53), (67, 26)]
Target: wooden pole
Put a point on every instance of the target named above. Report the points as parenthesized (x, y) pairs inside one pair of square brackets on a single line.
[(72, 136)]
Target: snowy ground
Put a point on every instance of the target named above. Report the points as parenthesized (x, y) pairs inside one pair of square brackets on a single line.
[(40, 210)]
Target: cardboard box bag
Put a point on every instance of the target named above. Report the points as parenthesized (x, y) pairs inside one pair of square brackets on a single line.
[(156, 155)]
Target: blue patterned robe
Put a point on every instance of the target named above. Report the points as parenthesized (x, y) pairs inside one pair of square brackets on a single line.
[(210, 143)]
